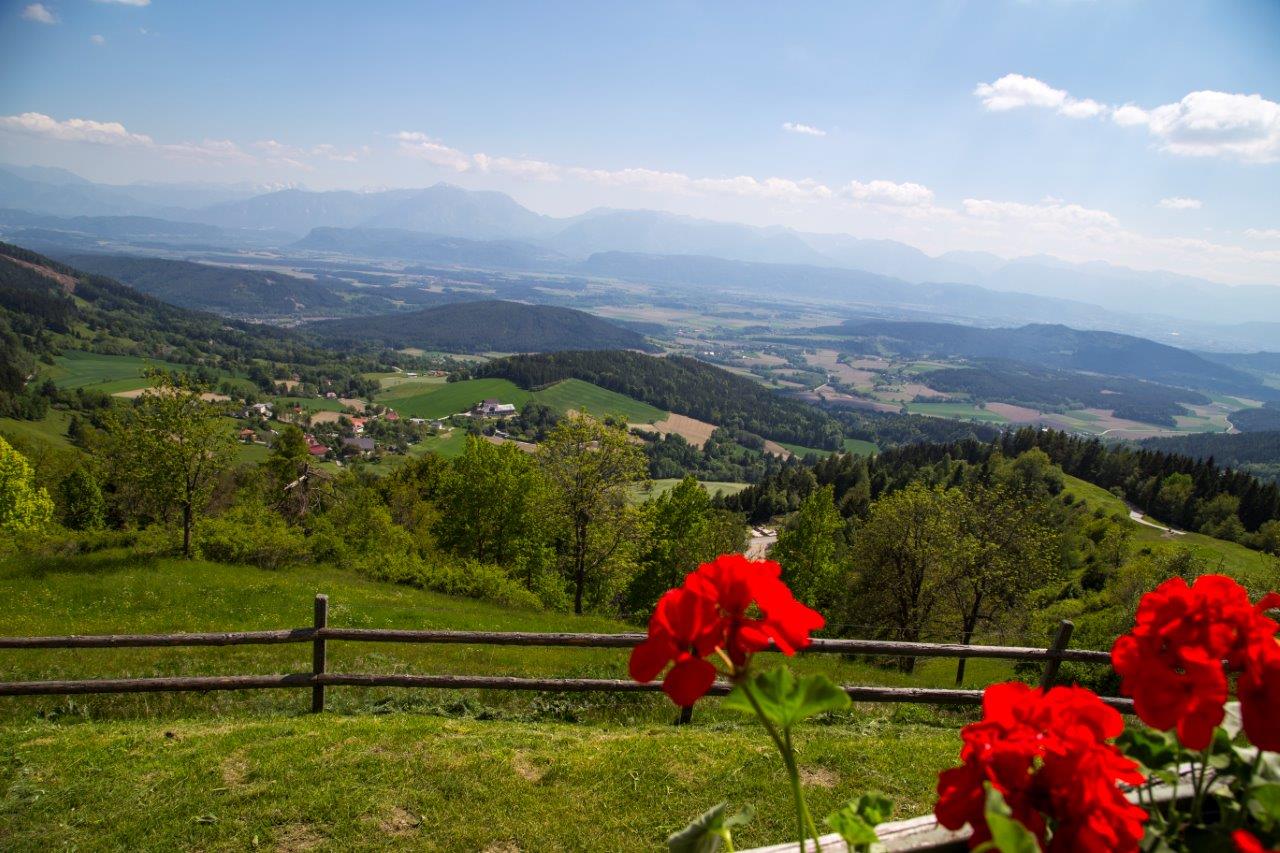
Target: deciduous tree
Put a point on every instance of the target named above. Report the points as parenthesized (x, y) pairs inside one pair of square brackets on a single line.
[(591, 468), (169, 449), (23, 505)]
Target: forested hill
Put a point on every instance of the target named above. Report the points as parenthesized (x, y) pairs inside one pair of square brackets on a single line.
[(1255, 452), (233, 291), (482, 326), (682, 385), (1191, 494), (47, 307), (1055, 346)]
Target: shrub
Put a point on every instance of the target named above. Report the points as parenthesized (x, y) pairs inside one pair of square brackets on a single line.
[(251, 535)]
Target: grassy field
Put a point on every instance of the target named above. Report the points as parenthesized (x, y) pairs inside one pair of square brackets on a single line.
[(851, 445), (51, 428), (662, 486), (434, 770), (454, 397), (583, 396), (109, 374), (1230, 558), (959, 411), (433, 399)]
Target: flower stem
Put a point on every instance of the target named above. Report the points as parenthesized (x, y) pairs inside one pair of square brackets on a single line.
[(804, 821)]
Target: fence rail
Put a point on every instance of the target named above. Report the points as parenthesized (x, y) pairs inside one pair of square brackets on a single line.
[(320, 634)]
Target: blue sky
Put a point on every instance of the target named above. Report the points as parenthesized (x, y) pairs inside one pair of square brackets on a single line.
[(1115, 130)]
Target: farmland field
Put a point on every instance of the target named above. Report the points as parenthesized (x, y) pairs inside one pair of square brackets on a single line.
[(961, 411), (454, 397)]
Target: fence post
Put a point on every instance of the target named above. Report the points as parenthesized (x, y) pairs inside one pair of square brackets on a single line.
[(318, 662), (686, 715), (1060, 639)]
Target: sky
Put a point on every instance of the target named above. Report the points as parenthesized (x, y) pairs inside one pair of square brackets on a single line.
[(1139, 133)]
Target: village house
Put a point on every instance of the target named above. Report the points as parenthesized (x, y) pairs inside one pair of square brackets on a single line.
[(493, 408), (357, 425), (315, 448), (247, 435), (358, 445), (256, 410)]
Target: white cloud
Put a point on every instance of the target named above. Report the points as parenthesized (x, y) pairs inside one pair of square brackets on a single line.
[(1014, 91), (125, 2), (1216, 124), (39, 13), (1049, 212), (1263, 233), (73, 129), (424, 148), (1180, 203), (887, 192), (97, 39), (806, 129), (1202, 124)]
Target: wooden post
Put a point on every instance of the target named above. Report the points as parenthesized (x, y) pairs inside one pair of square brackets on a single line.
[(686, 715), (1060, 639), (318, 662)]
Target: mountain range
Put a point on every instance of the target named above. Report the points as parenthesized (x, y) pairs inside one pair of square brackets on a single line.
[(281, 218)]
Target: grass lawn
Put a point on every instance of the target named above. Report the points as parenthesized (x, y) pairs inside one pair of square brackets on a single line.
[(315, 404), (439, 770), (583, 396)]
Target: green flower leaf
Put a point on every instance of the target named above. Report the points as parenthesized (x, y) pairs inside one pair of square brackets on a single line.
[(1152, 749), (856, 822), (707, 832), (1007, 834), (785, 700), (1264, 804)]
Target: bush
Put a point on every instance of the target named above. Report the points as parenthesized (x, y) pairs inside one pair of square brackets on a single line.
[(450, 576), (251, 535)]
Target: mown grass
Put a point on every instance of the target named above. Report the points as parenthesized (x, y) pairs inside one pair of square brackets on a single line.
[(429, 783), (856, 446), (665, 484), (583, 396), (431, 770), (111, 374)]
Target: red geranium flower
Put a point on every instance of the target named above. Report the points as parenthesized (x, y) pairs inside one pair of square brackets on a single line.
[(1047, 755), (1259, 691), (734, 584), (684, 629), (1246, 843), (1171, 663), (713, 610)]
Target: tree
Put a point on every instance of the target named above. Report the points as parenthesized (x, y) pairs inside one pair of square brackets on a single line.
[(591, 468), (810, 547), (490, 499), (293, 477), (169, 449), (904, 555), (81, 500), (24, 506), (685, 530), (1007, 547), (1175, 491)]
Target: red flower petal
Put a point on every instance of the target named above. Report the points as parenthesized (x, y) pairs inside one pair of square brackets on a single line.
[(689, 680)]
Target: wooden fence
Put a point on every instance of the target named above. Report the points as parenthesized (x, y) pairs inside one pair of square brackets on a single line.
[(321, 633)]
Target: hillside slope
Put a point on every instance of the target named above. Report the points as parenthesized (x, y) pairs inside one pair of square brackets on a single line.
[(490, 325), (681, 385)]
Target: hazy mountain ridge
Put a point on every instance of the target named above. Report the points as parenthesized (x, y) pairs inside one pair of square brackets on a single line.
[(483, 326), (1063, 348)]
